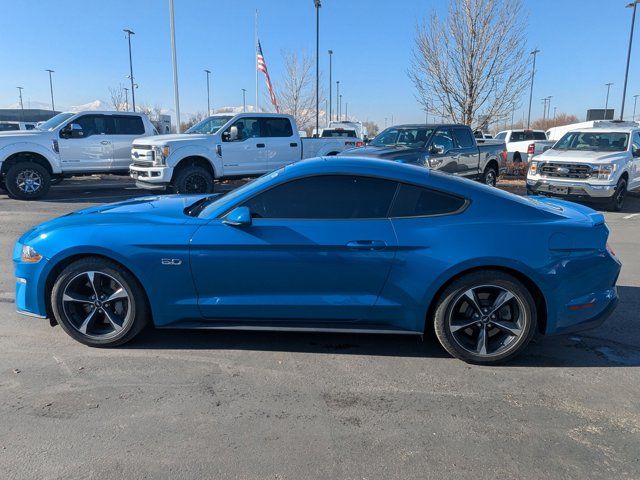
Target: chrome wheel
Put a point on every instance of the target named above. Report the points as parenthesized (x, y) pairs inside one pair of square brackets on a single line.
[(490, 177), (29, 181), (487, 320), (97, 305)]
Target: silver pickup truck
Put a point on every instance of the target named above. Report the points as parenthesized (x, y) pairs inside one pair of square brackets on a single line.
[(450, 148)]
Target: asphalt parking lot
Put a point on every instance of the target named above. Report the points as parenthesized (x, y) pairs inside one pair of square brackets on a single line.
[(175, 404)]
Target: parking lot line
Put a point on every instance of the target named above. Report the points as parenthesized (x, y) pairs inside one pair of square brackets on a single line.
[(627, 217)]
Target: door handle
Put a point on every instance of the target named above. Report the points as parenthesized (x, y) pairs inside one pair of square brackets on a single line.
[(260, 145), (367, 244), (293, 144), (105, 142)]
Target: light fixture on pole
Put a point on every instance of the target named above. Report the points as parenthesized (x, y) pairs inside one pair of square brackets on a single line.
[(606, 103), (337, 99), (533, 72), (174, 60), (133, 93), (244, 100), (317, 5), (208, 72), (53, 106), (330, 83), (626, 72), (126, 98), (21, 104)]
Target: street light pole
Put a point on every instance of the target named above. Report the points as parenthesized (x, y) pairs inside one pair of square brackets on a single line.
[(53, 106), (337, 100), (549, 105), (330, 83), (346, 111), (340, 108), (126, 98), (635, 100), (21, 104), (133, 93), (606, 103), (174, 60), (318, 5), (626, 72), (533, 72), (208, 72), (244, 100)]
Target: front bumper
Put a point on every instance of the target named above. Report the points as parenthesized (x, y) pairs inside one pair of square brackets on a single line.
[(570, 189), (30, 285), (151, 178)]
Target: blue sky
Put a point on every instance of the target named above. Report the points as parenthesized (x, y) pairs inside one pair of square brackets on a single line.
[(582, 42)]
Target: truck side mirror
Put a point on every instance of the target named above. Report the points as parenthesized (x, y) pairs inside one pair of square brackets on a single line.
[(436, 149), (636, 152), (233, 133), (72, 130)]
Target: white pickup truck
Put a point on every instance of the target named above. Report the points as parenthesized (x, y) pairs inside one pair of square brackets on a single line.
[(83, 143), (591, 164), (223, 147), (523, 145)]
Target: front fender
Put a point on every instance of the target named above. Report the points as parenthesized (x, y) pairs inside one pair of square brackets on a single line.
[(25, 147), (196, 151)]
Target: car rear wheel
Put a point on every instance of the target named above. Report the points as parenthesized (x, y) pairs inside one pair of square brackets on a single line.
[(98, 303), (617, 201), (27, 181), (490, 176), (485, 317), (193, 179)]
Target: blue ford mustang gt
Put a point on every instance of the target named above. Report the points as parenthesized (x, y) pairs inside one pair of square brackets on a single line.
[(341, 244)]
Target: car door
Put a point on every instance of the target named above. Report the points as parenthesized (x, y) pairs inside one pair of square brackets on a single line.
[(126, 128), (93, 151), (246, 153), (468, 160), (318, 252), (634, 175), (283, 147), (443, 151)]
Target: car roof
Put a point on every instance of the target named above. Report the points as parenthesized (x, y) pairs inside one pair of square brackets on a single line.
[(605, 130), (427, 125)]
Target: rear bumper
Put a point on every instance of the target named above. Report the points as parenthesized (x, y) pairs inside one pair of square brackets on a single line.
[(592, 322), (577, 190)]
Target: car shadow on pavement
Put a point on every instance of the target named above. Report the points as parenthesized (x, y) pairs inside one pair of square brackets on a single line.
[(614, 344)]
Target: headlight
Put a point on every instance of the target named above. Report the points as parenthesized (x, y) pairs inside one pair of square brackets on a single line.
[(160, 154), (29, 255), (533, 168), (604, 171), (435, 162)]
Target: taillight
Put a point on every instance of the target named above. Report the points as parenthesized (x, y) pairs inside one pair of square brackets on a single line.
[(503, 155), (359, 144), (532, 149)]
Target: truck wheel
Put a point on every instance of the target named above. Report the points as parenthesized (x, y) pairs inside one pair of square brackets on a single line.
[(3, 187), (193, 179), (617, 201), (517, 158), (490, 176), (27, 181)]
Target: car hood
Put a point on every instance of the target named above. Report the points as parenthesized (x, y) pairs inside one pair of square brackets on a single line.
[(396, 154), (580, 156), (164, 209), (19, 134), (171, 139)]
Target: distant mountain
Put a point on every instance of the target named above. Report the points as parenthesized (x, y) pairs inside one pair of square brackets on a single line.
[(95, 105)]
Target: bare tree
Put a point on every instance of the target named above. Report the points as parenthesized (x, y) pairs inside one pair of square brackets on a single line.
[(372, 128), (193, 119), (560, 120), (118, 98), (296, 91), (471, 67)]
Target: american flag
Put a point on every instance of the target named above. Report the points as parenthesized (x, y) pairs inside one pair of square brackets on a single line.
[(262, 66)]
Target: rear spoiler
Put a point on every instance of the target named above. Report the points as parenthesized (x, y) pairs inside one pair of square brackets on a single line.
[(571, 210)]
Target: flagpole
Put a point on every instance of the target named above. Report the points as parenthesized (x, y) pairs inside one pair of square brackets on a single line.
[(255, 54)]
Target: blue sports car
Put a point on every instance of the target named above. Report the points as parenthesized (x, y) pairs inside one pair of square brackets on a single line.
[(340, 244)]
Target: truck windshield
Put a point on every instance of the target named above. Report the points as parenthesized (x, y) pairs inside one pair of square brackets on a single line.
[(413, 137), (338, 133), (53, 122), (209, 125), (593, 141)]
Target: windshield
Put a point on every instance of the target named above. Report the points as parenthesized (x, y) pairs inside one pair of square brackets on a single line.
[(413, 137), (209, 125), (593, 141), (338, 133), (55, 121)]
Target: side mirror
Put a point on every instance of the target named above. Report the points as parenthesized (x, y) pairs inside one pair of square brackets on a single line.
[(636, 152), (233, 133), (238, 217), (436, 149), (72, 130)]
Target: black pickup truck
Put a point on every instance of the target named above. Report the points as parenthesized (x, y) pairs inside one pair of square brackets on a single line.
[(450, 148)]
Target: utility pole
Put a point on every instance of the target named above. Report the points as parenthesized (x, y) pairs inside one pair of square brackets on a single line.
[(21, 104), (208, 72), (549, 105), (53, 106), (533, 72), (133, 93), (172, 28), (126, 98), (338, 100), (340, 108), (606, 103), (244, 100), (554, 116), (626, 72), (346, 111), (330, 83), (635, 100), (318, 5)]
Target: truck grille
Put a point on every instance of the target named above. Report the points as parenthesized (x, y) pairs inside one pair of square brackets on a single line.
[(565, 170), (142, 147)]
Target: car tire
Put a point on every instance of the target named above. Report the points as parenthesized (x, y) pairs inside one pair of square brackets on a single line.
[(3, 186), (464, 324), (517, 158), (193, 179), (617, 200), (490, 176), (27, 181), (99, 303)]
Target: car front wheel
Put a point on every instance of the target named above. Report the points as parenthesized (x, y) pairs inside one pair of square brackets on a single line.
[(98, 303), (485, 317), (27, 181)]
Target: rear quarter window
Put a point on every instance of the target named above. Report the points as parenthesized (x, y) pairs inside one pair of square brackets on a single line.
[(128, 125), (276, 127), (414, 201)]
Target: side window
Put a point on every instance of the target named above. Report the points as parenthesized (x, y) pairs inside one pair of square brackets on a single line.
[(92, 124), (29, 126), (128, 125), (501, 136), (247, 128), (443, 138), (276, 127), (636, 143), (539, 136), (463, 137), (326, 197), (413, 201)]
